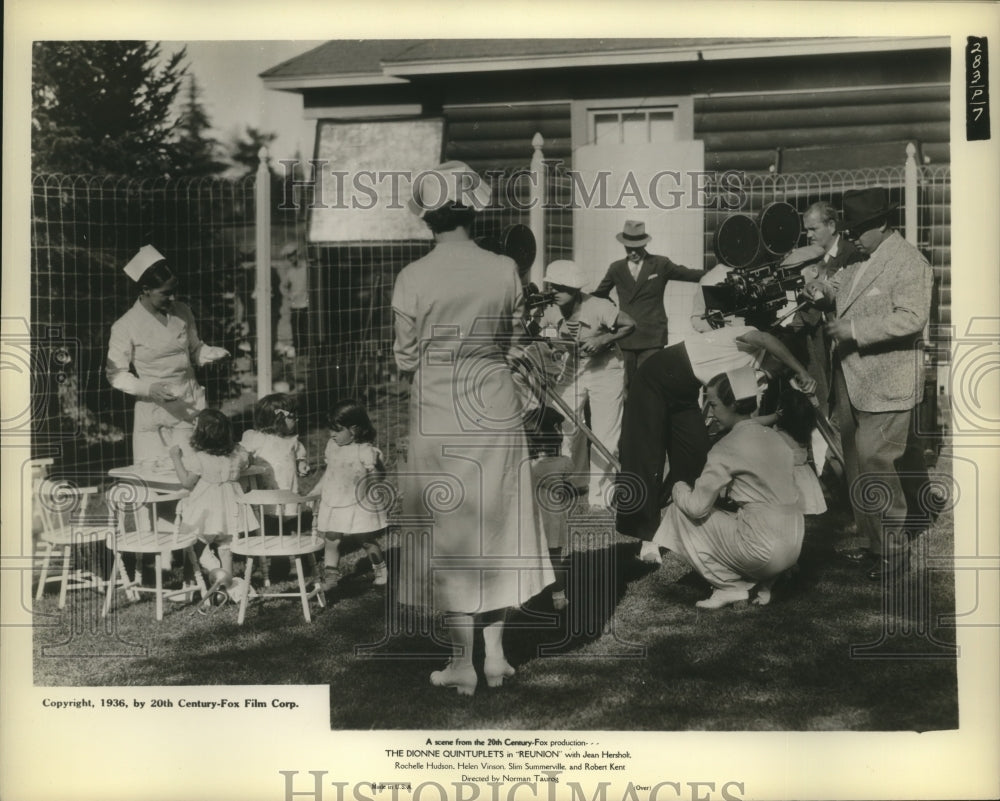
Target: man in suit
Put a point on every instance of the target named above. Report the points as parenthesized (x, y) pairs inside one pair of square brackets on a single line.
[(815, 348), (882, 305), (640, 280), (820, 222)]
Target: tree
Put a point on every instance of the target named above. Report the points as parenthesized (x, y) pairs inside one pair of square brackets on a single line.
[(245, 148), (195, 153), (104, 107)]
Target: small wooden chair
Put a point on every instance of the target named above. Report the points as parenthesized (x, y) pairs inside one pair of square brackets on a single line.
[(139, 530), (67, 522), (291, 544)]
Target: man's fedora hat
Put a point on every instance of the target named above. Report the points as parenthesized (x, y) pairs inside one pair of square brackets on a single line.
[(862, 207), (633, 235)]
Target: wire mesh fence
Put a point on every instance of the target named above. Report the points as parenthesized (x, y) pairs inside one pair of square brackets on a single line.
[(331, 341), (84, 229), (933, 218)]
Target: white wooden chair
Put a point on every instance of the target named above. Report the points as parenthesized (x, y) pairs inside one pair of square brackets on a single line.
[(139, 530), (67, 522), (293, 544)]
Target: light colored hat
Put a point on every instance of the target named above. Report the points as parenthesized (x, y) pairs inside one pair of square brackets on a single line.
[(451, 182), (800, 257), (743, 380), (634, 234), (142, 261), (289, 249), (564, 273)]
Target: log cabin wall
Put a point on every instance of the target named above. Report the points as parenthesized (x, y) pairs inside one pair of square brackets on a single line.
[(831, 111)]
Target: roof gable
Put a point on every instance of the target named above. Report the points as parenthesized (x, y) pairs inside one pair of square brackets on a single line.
[(359, 62)]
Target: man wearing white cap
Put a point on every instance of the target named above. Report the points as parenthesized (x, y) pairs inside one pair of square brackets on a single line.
[(640, 279), (158, 339), (585, 331)]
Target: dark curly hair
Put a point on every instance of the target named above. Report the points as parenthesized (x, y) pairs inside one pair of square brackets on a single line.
[(272, 412), (352, 414), (213, 433), (796, 414)]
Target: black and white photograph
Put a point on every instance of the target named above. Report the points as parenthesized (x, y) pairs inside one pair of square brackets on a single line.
[(542, 405)]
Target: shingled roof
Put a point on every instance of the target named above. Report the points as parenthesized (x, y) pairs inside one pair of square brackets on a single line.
[(345, 57), (342, 62)]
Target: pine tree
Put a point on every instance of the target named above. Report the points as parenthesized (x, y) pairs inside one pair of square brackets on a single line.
[(245, 148), (195, 152), (104, 108)]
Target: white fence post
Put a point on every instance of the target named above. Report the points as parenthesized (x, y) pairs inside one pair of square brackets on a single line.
[(536, 219), (910, 194), (265, 341)]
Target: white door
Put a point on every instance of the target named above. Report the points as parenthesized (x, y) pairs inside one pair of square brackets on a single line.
[(639, 167)]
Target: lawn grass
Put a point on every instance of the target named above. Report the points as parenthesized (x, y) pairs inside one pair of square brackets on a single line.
[(631, 652)]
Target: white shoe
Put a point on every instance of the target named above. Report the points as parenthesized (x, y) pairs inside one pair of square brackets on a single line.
[(329, 580), (208, 560), (238, 588), (559, 600), (496, 670), (463, 679), (763, 597), (721, 598), (381, 575), (650, 552)]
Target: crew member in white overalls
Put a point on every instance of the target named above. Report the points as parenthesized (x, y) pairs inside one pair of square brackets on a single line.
[(152, 352), (584, 331)]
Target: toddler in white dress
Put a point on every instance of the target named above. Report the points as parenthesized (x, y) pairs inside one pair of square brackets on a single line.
[(212, 474), (350, 505), (274, 444)]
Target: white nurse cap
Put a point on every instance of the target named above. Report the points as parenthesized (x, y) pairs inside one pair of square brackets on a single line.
[(142, 261), (743, 380)]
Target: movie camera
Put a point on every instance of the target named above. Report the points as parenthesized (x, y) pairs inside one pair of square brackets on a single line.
[(534, 298), (533, 360), (757, 285), (518, 243)]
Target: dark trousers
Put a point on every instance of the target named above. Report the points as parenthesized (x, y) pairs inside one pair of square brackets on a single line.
[(662, 420), (634, 358), (300, 330)]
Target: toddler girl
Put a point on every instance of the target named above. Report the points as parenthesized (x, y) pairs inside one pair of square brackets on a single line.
[(274, 444), (345, 508), (213, 509)]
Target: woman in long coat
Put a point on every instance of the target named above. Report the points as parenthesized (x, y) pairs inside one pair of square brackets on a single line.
[(475, 549), (157, 339)]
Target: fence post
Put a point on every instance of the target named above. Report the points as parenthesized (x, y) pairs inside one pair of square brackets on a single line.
[(536, 219), (910, 194), (265, 337)]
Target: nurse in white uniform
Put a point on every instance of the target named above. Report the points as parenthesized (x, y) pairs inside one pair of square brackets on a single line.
[(152, 353)]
